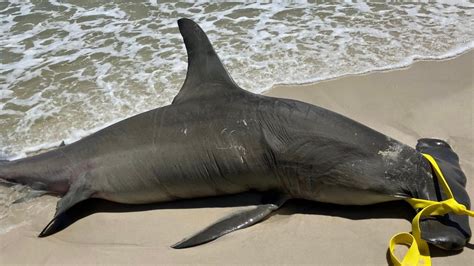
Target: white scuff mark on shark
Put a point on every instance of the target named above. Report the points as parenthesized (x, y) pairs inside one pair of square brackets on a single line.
[(242, 149), (392, 152), (185, 131), (243, 121), (225, 130), (239, 150)]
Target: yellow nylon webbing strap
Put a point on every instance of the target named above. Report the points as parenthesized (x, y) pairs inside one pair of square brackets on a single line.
[(418, 252)]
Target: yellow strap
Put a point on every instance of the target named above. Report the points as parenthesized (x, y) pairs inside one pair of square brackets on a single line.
[(418, 252)]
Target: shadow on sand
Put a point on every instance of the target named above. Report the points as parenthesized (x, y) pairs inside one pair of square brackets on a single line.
[(395, 210)]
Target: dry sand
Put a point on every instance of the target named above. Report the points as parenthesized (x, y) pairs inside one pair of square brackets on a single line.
[(429, 99)]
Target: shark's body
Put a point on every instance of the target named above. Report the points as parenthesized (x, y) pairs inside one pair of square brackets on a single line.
[(217, 139)]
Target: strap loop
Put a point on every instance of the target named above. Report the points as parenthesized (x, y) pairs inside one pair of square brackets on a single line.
[(418, 252)]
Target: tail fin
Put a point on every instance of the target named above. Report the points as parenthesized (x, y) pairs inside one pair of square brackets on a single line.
[(450, 231)]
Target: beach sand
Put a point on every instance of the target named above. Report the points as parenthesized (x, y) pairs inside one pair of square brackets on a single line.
[(428, 99)]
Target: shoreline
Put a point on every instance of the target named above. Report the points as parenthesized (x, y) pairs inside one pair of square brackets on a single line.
[(391, 68), (427, 99)]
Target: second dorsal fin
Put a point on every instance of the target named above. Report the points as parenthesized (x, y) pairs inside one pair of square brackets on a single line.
[(206, 74)]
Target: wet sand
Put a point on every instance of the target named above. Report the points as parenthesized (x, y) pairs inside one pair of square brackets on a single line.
[(428, 99)]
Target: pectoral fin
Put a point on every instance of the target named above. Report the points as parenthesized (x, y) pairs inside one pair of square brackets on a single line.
[(231, 223), (79, 191)]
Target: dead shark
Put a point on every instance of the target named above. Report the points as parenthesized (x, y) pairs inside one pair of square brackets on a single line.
[(218, 139)]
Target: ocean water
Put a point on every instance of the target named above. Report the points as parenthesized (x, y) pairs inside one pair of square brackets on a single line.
[(69, 68)]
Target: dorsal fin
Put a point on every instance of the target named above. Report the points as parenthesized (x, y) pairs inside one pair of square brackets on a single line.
[(206, 74)]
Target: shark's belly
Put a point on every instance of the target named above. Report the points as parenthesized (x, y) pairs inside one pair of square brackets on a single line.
[(150, 188), (351, 196), (149, 176)]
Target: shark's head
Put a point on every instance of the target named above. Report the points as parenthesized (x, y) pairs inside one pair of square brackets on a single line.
[(451, 231)]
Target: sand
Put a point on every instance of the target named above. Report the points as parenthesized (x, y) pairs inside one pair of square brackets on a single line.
[(428, 99)]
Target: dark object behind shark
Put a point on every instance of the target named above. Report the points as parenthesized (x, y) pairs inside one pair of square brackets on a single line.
[(449, 231), (217, 139)]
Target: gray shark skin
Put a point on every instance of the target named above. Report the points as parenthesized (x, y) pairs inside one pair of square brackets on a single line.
[(217, 139)]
